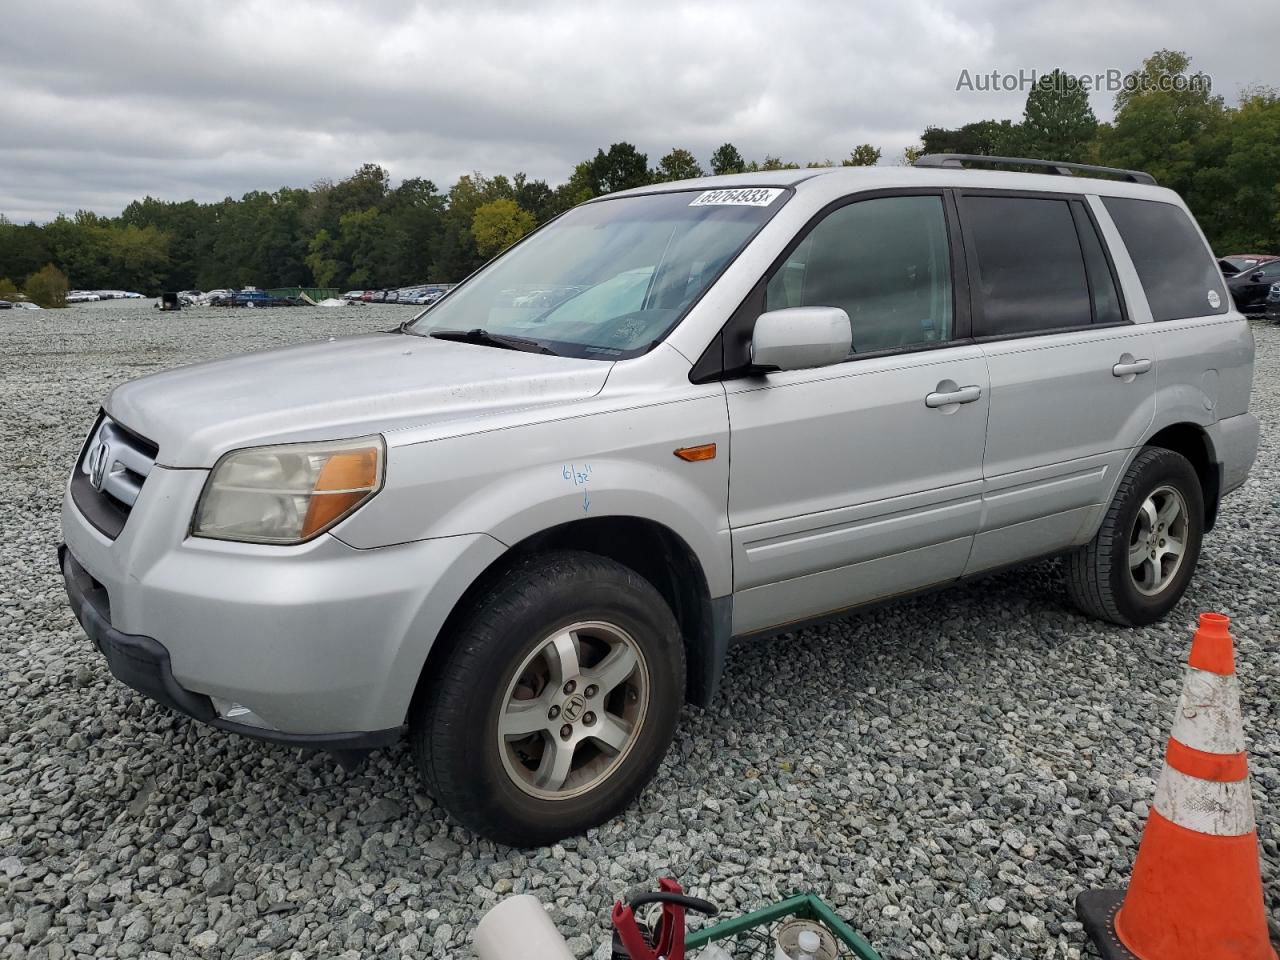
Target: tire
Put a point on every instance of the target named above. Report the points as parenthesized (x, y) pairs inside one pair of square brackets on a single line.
[(1101, 581), (508, 650)]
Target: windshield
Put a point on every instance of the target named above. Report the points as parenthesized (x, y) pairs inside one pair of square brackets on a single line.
[(608, 279)]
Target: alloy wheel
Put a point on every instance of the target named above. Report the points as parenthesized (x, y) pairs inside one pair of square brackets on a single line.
[(1158, 542), (573, 710)]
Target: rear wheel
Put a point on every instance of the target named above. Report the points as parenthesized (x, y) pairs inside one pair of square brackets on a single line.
[(556, 703), (1142, 558)]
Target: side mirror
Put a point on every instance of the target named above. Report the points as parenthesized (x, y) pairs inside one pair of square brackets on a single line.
[(1258, 277), (798, 338)]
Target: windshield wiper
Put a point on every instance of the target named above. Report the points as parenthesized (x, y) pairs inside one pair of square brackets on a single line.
[(486, 339)]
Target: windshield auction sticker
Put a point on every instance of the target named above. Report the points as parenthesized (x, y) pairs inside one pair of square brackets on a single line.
[(748, 196)]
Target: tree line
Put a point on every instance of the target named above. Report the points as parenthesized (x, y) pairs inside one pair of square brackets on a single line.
[(362, 232)]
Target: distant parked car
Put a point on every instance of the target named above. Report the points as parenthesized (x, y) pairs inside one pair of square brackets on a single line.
[(251, 297), (82, 296), (368, 295), (1273, 303), (1236, 263), (5, 305), (353, 295), (1249, 287)]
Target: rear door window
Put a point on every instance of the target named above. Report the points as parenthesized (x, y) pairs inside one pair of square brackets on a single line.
[(1030, 275), (1177, 271)]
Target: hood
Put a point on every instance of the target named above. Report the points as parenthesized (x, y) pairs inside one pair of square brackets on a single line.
[(338, 389)]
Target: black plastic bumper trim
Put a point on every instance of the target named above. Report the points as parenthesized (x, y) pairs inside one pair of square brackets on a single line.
[(142, 663)]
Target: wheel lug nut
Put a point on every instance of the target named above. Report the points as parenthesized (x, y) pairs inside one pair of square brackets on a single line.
[(553, 713), (570, 686), (590, 691), (588, 718), (566, 732)]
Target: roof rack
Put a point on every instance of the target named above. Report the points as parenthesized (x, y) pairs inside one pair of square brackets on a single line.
[(1060, 167)]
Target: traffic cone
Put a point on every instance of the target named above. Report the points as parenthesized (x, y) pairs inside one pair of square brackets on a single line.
[(1196, 890)]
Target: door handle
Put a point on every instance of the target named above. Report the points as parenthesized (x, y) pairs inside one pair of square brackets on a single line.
[(1130, 367), (947, 398)]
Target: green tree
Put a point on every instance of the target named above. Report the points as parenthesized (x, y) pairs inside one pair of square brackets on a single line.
[(1235, 194), (622, 168), (362, 238), (777, 163), (7, 290), (1161, 73), (1170, 126), (414, 213), (579, 188), (498, 224), (47, 287), (322, 258), (1057, 121), (535, 196), (727, 159), (863, 155), (911, 154), (455, 255), (679, 164), (988, 138)]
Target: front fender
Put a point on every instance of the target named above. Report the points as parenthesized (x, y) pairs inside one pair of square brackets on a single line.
[(513, 483)]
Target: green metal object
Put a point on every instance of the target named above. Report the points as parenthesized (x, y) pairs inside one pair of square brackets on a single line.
[(752, 934)]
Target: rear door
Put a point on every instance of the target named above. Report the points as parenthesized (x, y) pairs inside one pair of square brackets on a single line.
[(862, 479), (1072, 378)]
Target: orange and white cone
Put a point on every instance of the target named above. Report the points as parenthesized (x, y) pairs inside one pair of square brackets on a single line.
[(1196, 890)]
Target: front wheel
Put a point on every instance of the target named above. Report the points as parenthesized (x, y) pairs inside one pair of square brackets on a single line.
[(556, 703), (1141, 560)]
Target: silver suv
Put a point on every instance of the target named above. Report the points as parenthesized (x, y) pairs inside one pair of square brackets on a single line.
[(524, 529)]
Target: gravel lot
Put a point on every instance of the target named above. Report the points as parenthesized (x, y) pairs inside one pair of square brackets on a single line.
[(947, 772)]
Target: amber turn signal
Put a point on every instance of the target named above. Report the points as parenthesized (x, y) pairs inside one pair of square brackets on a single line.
[(706, 451), (346, 479)]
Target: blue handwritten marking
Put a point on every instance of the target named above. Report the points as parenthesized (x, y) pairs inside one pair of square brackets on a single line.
[(579, 475), (586, 502)]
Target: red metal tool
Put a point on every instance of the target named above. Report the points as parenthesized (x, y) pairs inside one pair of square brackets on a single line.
[(666, 942)]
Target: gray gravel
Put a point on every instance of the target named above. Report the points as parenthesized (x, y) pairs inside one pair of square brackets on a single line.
[(947, 772)]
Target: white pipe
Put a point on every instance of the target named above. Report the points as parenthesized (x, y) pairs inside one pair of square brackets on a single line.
[(519, 929)]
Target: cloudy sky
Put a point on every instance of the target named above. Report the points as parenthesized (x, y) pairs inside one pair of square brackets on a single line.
[(104, 102)]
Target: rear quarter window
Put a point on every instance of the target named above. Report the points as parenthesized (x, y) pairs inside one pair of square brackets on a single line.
[(1178, 273)]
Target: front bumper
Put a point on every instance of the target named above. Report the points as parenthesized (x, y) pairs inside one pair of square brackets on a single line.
[(317, 645), (143, 664)]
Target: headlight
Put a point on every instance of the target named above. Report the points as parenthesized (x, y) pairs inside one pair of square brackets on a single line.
[(288, 493)]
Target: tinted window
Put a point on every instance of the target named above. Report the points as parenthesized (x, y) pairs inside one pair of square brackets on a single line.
[(1177, 272), (1102, 283), (1269, 271), (885, 262), (1031, 274)]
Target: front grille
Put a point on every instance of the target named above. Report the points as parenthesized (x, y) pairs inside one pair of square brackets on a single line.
[(109, 475)]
